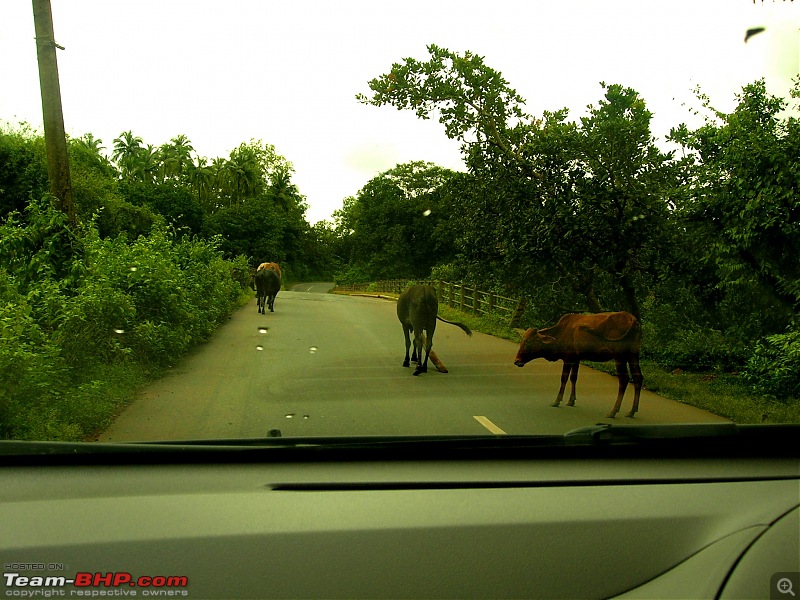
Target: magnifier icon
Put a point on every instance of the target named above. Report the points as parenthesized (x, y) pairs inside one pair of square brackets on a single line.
[(784, 586)]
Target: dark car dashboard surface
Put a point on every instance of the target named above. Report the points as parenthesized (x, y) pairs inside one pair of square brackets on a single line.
[(611, 511)]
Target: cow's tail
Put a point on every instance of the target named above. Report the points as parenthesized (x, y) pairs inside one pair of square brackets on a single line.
[(466, 329)]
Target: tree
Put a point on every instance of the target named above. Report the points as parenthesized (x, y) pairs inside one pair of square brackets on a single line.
[(472, 101), (126, 147), (176, 157), (744, 205), (391, 224), (581, 203)]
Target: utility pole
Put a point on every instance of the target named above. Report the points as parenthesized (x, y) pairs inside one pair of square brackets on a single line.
[(54, 136)]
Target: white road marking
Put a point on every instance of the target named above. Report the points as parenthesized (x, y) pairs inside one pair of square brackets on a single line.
[(489, 425)]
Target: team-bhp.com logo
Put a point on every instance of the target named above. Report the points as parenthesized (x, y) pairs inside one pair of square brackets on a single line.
[(95, 585)]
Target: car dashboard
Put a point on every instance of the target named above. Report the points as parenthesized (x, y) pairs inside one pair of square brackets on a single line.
[(397, 519)]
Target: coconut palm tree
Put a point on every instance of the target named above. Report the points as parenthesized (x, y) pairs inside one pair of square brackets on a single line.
[(126, 147), (145, 164), (176, 156), (201, 178)]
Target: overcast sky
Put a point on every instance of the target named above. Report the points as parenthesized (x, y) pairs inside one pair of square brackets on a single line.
[(228, 71)]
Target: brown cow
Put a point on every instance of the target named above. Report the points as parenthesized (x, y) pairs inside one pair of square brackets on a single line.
[(417, 310), (600, 337), (268, 284), (272, 267)]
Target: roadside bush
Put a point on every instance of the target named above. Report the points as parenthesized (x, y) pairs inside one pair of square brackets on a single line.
[(78, 312), (31, 367), (774, 367), (676, 334)]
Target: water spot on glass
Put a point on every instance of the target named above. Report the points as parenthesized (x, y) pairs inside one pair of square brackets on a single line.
[(263, 329), (313, 349), (427, 213), (290, 415), (259, 348)]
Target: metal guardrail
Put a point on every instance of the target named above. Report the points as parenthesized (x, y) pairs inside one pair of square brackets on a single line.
[(455, 295)]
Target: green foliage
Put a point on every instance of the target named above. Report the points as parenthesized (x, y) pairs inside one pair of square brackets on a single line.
[(774, 367), (252, 228), (468, 96), (744, 204), (23, 168), (173, 201), (393, 227), (73, 303)]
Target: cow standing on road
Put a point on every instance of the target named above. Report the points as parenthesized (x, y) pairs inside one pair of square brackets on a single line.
[(268, 284), (600, 337), (418, 309)]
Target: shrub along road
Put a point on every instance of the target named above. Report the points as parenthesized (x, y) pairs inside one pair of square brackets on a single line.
[(330, 365)]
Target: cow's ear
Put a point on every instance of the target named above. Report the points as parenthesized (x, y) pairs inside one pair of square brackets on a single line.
[(546, 339)]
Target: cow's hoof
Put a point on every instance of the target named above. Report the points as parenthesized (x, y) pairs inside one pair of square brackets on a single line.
[(611, 415), (631, 415), (555, 404), (405, 363), (570, 403)]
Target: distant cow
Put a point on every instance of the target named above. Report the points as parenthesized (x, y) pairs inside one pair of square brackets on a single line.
[(600, 337), (268, 284), (418, 309), (272, 266)]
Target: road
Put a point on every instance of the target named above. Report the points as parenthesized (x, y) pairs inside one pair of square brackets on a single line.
[(330, 365)]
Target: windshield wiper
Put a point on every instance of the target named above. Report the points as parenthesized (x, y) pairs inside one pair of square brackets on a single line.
[(608, 433), (609, 440)]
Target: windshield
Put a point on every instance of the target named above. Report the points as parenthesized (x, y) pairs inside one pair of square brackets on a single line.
[(247, 219)]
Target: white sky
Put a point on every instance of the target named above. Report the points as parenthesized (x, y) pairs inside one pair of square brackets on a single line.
[(228, 71)]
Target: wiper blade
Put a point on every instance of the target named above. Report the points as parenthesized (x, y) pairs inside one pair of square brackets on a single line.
[(609, 434), (19, 447), (601, 440)]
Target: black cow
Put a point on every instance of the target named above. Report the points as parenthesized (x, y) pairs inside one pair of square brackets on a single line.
[(600, 337), (268, 284), (418, 309)]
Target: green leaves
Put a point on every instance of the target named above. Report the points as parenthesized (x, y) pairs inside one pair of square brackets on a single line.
[(471, 100), (392, 227), (745, 200), (72, 302)]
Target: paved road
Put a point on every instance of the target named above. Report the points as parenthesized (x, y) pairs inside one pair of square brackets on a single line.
[(330, 365)]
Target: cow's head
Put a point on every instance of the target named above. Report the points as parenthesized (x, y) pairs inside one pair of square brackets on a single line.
[(533, 345)]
